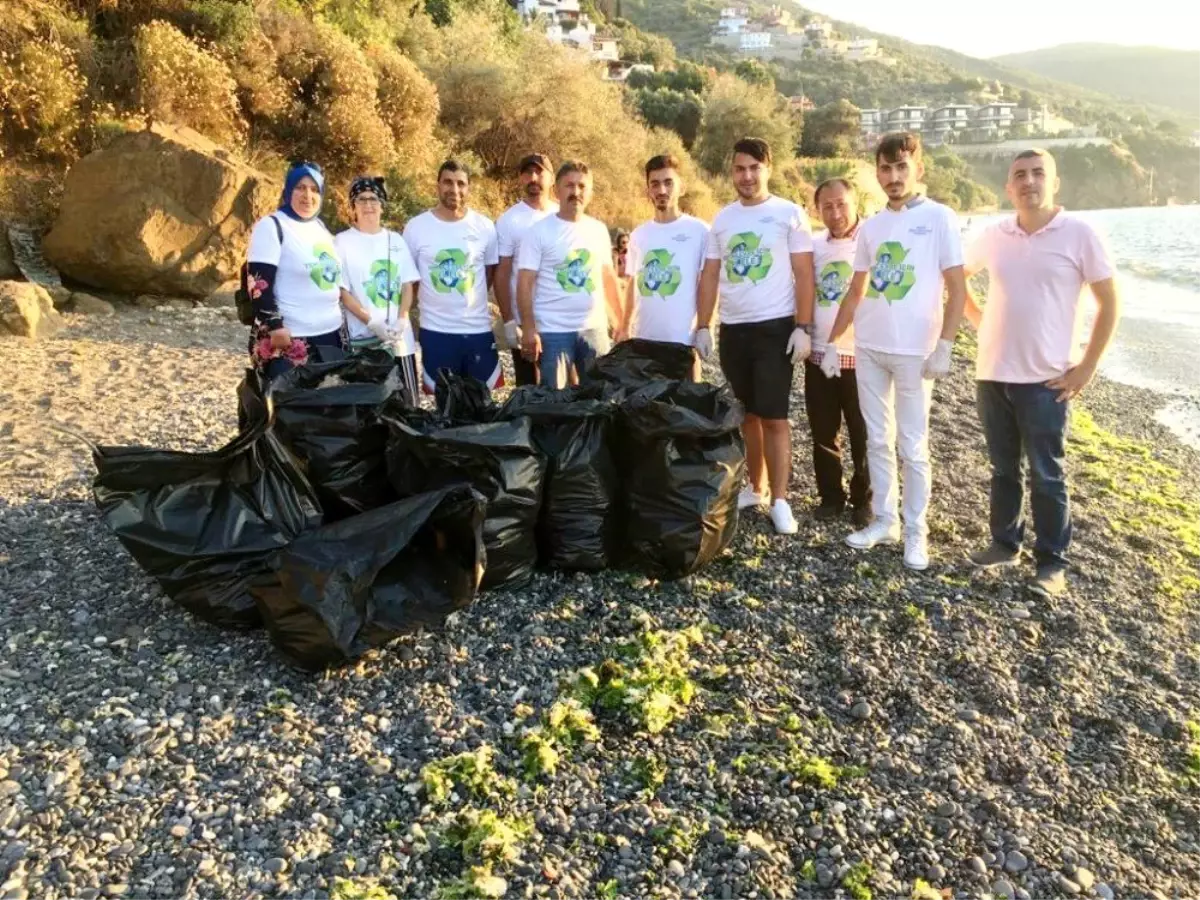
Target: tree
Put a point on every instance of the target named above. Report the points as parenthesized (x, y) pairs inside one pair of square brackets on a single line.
[(831, 130), (679, 111), (754, 72), (733, 110)]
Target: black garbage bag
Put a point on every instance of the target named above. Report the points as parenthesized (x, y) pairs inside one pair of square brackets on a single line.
[(637, 362), (327, 415), (205, 524), (498, 459), (461, 398), (572, 429), (684, 464), (358, 583)]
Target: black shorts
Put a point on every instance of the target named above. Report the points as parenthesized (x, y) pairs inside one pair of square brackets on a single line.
[(756, 365)]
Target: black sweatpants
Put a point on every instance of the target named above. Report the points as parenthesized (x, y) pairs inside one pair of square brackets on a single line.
[(829, 401)]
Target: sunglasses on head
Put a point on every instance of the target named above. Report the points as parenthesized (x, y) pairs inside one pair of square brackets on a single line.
[(297, 163)]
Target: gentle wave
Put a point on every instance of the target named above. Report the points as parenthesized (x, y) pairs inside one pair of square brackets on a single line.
[(1182, 275)]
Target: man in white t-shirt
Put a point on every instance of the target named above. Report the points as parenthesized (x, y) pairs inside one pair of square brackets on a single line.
[(760, 258), (566, 286), (906, 255), (536, 179), (454, 248), (830, 400), (665, 257), (1031, 359)]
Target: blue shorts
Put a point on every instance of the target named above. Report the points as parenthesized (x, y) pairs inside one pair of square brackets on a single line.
[(473, 355)]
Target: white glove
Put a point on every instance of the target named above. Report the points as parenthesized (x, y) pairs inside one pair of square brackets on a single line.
[(377, 325), (799, 345), (512, 334), (703, 342), (937, 364), (401, 337), (831, 366)]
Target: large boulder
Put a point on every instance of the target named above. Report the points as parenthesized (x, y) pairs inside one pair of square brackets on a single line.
[(26, 309), (162, 211)]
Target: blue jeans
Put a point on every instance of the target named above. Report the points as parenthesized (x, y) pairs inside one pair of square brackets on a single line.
[(563, 349), (1026, 421)]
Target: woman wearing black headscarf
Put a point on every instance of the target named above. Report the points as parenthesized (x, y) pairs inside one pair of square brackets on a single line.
[(294, 280)]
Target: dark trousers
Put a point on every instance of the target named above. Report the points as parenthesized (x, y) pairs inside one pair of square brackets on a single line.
[(524, 371), (829, 401), (1026, 422)]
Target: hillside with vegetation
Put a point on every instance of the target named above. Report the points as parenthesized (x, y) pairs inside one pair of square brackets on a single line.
[(1155, 75)]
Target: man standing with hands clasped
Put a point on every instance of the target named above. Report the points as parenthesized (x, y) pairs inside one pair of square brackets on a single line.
[(1031, 361), (906, 253), (760, 257)]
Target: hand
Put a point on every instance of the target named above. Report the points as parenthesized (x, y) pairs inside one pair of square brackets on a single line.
[(512, 334), (703, 342), (378, 326), (937, 364), (831, 366), (799, 345), (531, 344), (401, 337), (1072, 381), (281, 339)]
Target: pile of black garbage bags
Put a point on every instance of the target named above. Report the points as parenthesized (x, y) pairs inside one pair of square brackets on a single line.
[(342, 515)]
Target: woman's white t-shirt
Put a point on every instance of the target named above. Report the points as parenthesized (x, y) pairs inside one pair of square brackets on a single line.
[(308, 275), (374, 269)]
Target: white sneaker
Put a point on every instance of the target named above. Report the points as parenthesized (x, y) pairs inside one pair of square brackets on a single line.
[(916, 552), (878, 532), (747, 499), (782, 518)]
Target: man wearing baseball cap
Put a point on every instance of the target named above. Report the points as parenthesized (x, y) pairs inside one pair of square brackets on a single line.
[(535, 179)]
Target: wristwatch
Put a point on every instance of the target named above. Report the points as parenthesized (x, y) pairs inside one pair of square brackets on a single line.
[(807, 326)]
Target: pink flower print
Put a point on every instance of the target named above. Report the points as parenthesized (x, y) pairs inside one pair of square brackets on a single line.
[(263, 349), (298, 352), (255, 285)]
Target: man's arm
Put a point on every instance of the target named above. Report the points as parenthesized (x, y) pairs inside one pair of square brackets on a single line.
[(612, 297), (972, 311), (355, 308), (526, 279), (802, 272), (1076, 378), (846, 309), (956, 287), (706, 300), (630, 302), (490, 275), (503, 288)]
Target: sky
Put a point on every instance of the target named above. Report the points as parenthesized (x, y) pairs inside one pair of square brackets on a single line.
[(993, 29)]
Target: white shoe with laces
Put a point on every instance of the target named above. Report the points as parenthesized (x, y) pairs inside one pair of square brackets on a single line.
[(748, 498), (782, 518), (878, 532), (916, 552)]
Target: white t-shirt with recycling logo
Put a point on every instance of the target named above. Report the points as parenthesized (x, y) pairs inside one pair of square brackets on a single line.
[(754, 244), (904, 254), (452, 258), (666, 259), (511, 227), (308, 276), (365, 260), (569, 258), (833, 267)]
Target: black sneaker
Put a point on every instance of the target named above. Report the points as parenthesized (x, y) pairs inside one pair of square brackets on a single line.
[(861, 516), (994, 556), (827, 512), (1050, 580)]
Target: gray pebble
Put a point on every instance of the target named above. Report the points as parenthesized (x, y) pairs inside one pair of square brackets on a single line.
[(977, 865), (1104, 891), (1084, 878), (675, 868), (861, 710), (276, 865), (1002, 888), (1015, 861)]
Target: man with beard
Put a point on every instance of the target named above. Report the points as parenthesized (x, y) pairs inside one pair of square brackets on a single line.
[(760, 258), (455, 251), (666, 255), (535, 178), (906, 254), (567, 286)]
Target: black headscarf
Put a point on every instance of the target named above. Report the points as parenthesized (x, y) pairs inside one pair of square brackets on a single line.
[(364, 183)]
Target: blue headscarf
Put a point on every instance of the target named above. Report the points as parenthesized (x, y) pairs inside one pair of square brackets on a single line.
[(294, 174)]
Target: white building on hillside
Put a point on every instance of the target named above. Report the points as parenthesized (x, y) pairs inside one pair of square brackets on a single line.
[(905, 118), (947, 120), (818, 31), (994, 117)]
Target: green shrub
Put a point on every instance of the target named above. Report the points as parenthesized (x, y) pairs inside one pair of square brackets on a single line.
[(41, 92)]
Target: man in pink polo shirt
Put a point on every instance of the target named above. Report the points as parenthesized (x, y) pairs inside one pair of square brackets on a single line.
[(1031, 360)]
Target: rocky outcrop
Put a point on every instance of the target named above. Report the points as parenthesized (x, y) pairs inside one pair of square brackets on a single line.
[(163, 211), (8, 266), (27, 310)]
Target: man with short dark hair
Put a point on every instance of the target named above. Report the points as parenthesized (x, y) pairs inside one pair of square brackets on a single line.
[(454, 248), (829, 400), (566, 286), (760, 258), (906, 255), (1031, 363), (666, 255), (535, 176)]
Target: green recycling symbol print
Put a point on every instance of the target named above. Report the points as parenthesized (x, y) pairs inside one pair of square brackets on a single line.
[(891, 277), (381, 282), (450, 272), (833, 282), (746, 260), (575, 273), (324, 270), (658, 276)]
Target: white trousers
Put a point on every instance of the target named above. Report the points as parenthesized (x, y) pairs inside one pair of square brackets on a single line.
[(895, 401)]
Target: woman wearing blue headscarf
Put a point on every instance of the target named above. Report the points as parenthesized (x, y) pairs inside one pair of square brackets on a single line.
[(294, 280)]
